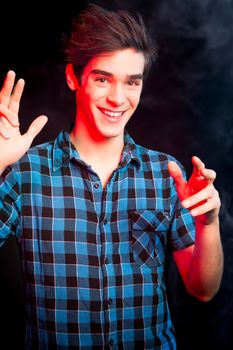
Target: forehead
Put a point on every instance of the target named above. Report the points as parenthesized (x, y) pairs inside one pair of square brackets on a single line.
[(122, 62)]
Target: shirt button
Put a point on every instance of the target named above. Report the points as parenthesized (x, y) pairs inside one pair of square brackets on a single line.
[(97, 185), (110, 301), (105, 222), (106, 261), (111, 342)]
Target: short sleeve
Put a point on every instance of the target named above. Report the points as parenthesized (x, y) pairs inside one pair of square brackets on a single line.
[(10, 206)]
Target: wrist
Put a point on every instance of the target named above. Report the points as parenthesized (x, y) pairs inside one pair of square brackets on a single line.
[(212, 221)]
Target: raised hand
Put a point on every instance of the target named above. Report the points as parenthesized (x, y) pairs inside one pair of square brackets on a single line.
[(13, 145), (198, 194)]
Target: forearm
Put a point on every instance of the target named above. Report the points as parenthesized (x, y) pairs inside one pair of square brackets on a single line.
[(206, 267)]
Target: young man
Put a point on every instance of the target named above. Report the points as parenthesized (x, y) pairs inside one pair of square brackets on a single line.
[(95, 213)]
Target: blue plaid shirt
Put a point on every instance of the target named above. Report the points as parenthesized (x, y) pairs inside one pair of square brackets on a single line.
[(93, 258)]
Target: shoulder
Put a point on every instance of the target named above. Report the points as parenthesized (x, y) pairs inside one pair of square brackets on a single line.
[(38, 155), (155, 158), (41, 150)]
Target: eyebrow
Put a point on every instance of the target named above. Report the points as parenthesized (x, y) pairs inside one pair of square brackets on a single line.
[(108, 74)]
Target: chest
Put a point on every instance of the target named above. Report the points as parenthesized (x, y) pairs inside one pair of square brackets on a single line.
[(74, 215), (74, 192)]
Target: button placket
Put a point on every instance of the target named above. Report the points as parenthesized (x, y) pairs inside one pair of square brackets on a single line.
[(96, 185), (111, 342)]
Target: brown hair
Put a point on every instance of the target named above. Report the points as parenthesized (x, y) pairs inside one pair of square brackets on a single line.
[(97, 30)]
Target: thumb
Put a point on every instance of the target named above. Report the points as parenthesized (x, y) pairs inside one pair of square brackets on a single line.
[(36, 126)]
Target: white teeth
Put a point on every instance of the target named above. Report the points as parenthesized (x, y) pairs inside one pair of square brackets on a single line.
[(112, 114)]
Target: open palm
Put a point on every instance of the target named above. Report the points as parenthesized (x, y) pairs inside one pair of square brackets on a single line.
[(13, 144)]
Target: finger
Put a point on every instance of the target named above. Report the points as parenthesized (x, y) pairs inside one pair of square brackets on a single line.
[(35, 127), (176, 173), (5, 112), (207, 207), (4, 134), (5, 128), (16, 96), (208, 174), (201, 196), (198, 165), (3, 131), (7, 88)]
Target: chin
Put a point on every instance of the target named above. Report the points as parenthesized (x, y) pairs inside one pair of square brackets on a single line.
[(112, 134)]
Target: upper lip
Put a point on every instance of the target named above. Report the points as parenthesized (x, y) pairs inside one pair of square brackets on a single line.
[(110, 110)]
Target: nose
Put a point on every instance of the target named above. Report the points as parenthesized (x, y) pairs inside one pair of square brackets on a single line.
[(116, 96)]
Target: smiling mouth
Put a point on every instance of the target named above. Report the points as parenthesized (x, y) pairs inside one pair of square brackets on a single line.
[(111, 114)]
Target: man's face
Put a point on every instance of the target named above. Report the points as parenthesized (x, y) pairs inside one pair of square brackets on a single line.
[(110, 90)]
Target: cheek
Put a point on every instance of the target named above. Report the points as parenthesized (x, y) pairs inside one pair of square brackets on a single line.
[(86, 98), (135, 99), (95, 93)]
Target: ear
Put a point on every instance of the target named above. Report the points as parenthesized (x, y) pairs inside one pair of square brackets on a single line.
[(71, 79)]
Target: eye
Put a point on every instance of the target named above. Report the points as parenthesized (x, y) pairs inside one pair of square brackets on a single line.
[(102, 80), (134, 82)]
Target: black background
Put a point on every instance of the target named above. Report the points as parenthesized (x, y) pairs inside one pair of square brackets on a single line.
[(186, 109)]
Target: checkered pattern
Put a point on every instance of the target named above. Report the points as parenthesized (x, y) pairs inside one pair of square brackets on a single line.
[(93, 258)]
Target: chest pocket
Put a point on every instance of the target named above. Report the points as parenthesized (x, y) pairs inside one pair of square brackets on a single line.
[(149, 236)]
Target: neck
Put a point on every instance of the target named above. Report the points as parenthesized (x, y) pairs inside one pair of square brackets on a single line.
[(91, 146)]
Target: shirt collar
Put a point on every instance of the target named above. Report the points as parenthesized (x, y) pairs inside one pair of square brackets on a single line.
[(130, 152), (64, 151)]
